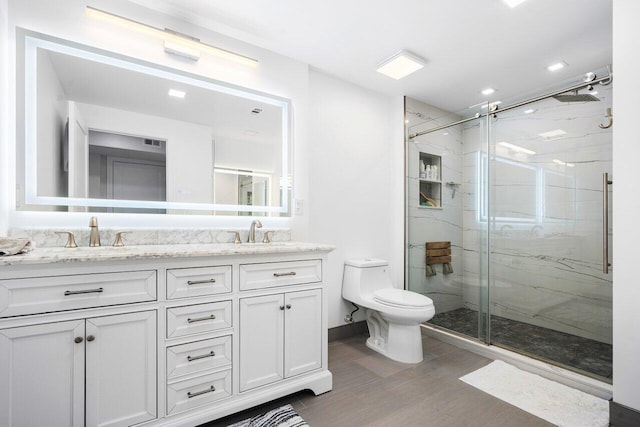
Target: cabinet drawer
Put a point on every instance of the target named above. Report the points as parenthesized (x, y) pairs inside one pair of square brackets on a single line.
[(199, 281), (199, 318), (57, 293), (269, 275), (198, 356), (188, 394)]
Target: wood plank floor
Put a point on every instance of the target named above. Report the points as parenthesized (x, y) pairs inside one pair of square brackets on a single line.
[(371, 390)]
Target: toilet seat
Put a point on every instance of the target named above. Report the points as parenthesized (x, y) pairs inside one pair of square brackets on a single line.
[(401, 298)]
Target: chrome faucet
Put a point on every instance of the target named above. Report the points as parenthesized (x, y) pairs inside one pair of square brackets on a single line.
[(94, 237), (252, 230)]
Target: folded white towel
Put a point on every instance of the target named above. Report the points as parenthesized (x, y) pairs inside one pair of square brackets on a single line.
[(14, 246)]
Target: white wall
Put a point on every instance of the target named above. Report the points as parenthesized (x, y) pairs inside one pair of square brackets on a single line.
[(4, 122), (626, 152), (353, 177)]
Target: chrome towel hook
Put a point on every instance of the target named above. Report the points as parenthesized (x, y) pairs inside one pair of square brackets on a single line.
[(610, 117)]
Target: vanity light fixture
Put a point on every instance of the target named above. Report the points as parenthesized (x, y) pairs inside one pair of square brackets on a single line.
[(513, 3), (561, 163), (400, 65), (487, 91), (174, 42), (557, 66), (177, 93), (516, 148)]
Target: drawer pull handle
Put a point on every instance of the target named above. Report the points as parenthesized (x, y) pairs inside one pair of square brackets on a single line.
[(288, 306), (199, 282), (88, 291), (291, 273), (78, 340), (201, 319), (202, 356), (198, 393)]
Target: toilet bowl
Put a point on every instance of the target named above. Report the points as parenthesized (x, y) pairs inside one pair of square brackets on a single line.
[(393, 315)]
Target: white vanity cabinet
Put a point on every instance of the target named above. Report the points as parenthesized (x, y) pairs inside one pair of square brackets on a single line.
[(159, 336), (102, 370), (280, 336)]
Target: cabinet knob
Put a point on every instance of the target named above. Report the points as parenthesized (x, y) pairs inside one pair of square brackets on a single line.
[(282, 307), (78, 340), (288, 306), (91, 338)]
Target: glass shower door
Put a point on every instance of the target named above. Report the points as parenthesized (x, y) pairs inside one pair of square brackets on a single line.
[(549, 296), (446, 242)]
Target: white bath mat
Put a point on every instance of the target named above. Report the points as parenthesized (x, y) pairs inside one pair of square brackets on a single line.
[(549, 400)]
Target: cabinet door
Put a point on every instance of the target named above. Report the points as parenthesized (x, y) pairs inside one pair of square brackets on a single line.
[(302, 332), (261, 340), (121, 369), (42, 375)]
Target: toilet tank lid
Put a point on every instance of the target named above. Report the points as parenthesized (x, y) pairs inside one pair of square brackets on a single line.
[(366, 262)]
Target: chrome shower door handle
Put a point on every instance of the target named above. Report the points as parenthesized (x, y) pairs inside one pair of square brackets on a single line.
[(605, 222)]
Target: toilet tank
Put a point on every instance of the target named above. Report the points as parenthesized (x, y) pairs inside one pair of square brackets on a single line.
[(362, 277)]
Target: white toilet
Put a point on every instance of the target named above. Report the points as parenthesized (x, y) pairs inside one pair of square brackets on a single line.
[(393, 315)]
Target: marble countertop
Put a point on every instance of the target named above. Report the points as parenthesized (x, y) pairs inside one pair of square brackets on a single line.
[(110, 253)]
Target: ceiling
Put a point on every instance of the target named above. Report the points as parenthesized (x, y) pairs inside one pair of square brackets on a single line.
[(468, 45)]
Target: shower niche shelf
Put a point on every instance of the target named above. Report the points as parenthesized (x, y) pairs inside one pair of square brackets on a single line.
[(429, 181)]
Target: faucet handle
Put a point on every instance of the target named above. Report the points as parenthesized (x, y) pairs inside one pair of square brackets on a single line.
[(118, 243), (71, 240), (266, 238), (237, 240)]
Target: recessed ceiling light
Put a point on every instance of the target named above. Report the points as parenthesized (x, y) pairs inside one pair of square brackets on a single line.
[(487, 91), (557, 66), (529, 111), (513, 3), (177, 93), (561, 163), (445, 133), (552, 133), (516, 148), (400, 65)]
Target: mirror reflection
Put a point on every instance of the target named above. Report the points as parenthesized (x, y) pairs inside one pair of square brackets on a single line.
[(108, 134)]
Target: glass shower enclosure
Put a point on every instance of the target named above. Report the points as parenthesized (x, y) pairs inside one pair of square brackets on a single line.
[(509, 236)]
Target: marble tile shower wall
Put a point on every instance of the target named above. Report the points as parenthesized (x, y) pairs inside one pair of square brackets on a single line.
[(49, 238), (426, 224), (546, 259)]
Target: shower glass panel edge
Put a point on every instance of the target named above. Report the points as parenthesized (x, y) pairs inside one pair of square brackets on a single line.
[(445, 206)]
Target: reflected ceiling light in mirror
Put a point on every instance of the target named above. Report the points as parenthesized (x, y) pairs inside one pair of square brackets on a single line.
[(400, 65), (181, 44), (177, 93), (552, 133), (513, 3), (516, 148), (487, 91), (557, 66), (561, 163), (530, 111)]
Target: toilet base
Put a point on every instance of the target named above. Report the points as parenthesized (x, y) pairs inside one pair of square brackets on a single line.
[(399, 342)]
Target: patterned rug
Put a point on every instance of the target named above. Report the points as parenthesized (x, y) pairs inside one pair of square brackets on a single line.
[(284, 416)]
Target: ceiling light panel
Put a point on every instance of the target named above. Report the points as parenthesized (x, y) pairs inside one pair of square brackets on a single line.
[(400, 65), (177, 93), (557, 66), (487, 91), (513, 3)]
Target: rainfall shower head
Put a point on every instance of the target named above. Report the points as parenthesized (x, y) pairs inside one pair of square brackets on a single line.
[(576, 97)]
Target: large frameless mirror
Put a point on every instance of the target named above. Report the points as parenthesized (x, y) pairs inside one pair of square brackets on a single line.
[(107, 133)]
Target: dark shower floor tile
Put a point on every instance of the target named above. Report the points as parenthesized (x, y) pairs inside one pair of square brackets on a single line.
[(580, 353)]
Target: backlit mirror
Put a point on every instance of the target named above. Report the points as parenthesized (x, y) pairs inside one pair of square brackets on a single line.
[(107, 133)]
